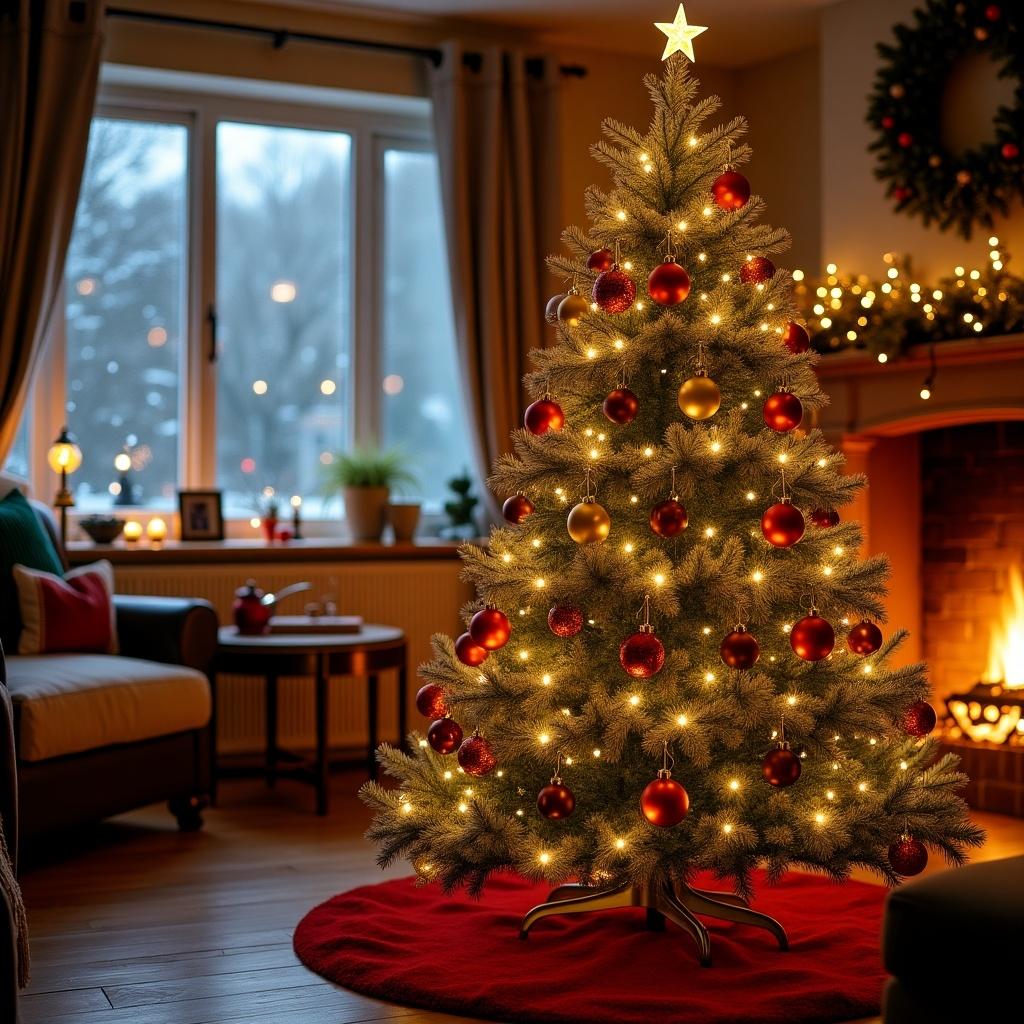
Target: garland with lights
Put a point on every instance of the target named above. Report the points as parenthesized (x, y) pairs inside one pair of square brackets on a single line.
[(924, 179), (889, 315), (673, 661)]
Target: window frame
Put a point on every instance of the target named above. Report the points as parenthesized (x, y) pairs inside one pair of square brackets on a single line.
[(372, 128)]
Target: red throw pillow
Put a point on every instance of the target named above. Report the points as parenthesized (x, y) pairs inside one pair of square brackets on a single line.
[(73, 613)]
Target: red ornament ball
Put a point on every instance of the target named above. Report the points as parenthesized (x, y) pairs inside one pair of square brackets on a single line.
[(796, 338), (919, 719), (888, 122), (993, 12), (642, 655), (565, 620), (908, 856), (556, 801), (740, 649), (824, 517), (476, 757), (664, 802), (551, 309), (445, 735), (864, 638), (757, 270), (430, 702), (620, 406), (469, 652), (730, 190), (669, 518), (782, 524), (517, 508), (780, 767), (544, 415), (1010, 150), (783, 411), (812, 638), (600, 259), (614, 291), (490, 628), (904, 140), (902, 193), (668, 283)]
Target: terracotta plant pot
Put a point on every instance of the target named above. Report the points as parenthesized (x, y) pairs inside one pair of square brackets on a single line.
[(269, 526), (364, 511), (404, 517)]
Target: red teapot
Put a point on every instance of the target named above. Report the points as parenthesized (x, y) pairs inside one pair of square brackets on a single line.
[(253, 609)]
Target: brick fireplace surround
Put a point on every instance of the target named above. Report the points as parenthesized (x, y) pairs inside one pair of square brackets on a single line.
[(946, 504)]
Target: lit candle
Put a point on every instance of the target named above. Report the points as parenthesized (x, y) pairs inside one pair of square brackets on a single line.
[(296, 503), (156, 529), (132, 530)]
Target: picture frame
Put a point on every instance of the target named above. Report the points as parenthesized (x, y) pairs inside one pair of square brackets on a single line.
[(200, 515)]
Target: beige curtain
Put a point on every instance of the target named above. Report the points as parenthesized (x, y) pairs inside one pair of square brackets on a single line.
[(495, 125), (49, 65)]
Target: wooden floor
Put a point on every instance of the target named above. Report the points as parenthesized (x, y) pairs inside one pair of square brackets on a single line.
[(138, 923)]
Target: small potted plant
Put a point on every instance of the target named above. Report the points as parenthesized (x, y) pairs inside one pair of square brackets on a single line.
[(366, 478)]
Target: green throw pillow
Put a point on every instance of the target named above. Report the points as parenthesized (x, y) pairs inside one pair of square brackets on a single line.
[(22, 540)]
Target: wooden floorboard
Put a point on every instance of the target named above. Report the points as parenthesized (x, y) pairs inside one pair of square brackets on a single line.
[(135, 923)]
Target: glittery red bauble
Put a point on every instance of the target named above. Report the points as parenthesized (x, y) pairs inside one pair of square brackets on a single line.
[(490, 629), (556, 801), (476, 757), (669, 518), (919, 719), (600, 259), (757, 270), (888, 122), (812, 638), (993, 12), (642, 655), (864, 638), (614, 291), (620, 406), (544, 415), (445, 735), (796, 338), (565, 620), (740, 649), (1010, 151), (668, 283), (430, 702), (517, 508), (551, 309), (782, 524), (901, 193), (783, 411), (730, 190), (905, 140), (780, 767), (664, 802), (469, 652), (908, 856), (824, 517)]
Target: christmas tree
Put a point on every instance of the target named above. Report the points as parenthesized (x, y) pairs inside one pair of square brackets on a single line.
[(674, 662)]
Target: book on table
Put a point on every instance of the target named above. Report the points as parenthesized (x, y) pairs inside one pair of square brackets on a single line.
[(304, 624)]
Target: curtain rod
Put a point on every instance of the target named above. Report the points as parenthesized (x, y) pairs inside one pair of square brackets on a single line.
[(280, 36)]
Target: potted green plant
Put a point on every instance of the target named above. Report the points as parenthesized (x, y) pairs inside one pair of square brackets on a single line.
[(366, 477)]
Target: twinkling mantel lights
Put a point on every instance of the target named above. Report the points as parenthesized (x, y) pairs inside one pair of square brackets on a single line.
[(685, 651)]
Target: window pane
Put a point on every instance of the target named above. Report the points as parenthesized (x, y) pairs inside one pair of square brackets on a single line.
[(423, 409), (283, 306), (125, 293)]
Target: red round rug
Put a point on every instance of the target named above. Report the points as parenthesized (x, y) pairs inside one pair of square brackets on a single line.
[(418, 947)]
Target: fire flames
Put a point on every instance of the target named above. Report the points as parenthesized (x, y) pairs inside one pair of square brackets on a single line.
[(1006, 648)]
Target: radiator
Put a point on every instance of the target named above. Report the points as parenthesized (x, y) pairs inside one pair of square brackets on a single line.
[(420, 597)]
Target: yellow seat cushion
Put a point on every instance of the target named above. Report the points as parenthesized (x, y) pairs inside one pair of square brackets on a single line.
[(67, 703)]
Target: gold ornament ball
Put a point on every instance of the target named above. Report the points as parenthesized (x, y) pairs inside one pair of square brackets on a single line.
[(897, 91), (699, 397), (572, 309), (963, 177), (588, 522), (935, 160)]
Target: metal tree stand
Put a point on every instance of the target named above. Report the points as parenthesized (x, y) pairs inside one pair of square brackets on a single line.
[(662, 899)]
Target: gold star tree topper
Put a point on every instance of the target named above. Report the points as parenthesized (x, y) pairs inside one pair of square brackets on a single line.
[(680, 35)]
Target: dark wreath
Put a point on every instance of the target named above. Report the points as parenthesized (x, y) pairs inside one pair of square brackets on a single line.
[(923, 178)]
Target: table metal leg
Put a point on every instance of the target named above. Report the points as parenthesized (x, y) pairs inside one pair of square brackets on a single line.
[(372, 725), (321, 767), (403, 700), (270, 693)]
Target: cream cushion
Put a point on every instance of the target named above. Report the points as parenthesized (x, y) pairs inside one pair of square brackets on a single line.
[(67, 703)]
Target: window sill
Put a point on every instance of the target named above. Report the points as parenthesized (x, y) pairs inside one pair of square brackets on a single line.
[(176, 552)]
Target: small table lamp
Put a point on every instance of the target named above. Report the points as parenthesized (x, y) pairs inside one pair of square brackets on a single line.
[(64, 457)]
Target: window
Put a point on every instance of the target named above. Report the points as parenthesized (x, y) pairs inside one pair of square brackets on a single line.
[(251, 286)]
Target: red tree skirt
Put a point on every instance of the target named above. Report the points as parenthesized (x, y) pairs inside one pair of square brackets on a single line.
[(418, 947)]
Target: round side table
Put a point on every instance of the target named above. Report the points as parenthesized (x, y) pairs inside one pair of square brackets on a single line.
[(365, 654)]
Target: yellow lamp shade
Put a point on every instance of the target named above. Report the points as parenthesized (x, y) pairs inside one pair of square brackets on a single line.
[(156, 529), (64, 455), (132, 530)]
